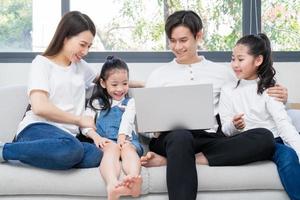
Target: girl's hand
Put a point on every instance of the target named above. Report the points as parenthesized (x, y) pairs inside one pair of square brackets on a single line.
[(279, 92), (121, 139), (86, 122), (101, 141), (238, 121)]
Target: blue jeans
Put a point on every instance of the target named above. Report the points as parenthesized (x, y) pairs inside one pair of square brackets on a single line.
[(288, 168), (46, 146)]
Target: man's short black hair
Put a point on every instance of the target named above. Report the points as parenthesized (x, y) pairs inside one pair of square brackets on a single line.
[(186, 18)]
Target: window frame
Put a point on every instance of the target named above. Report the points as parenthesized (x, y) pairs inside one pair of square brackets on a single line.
[(251, 23)]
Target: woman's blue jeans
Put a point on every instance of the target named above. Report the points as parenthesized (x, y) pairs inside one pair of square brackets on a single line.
[(46, 146), (288, 168)]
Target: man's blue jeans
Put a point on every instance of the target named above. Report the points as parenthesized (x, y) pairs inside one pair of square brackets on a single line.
[(46, 146), (288, 168)]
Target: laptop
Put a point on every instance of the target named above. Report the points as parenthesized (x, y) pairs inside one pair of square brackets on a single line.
[(167, 108)]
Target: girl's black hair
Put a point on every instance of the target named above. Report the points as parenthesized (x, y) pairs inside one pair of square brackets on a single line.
[(111, 63), (260, 45)]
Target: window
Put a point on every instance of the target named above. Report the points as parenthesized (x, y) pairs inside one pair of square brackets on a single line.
[(134, 29), (127, 25), (281, 22), (27, 25)]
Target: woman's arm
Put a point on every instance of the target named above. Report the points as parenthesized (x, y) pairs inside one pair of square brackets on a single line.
[(41, 106)]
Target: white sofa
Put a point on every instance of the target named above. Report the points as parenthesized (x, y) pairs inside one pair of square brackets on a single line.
[(20, 181)]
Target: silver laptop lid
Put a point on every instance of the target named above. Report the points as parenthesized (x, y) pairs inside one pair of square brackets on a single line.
[(167, 108)]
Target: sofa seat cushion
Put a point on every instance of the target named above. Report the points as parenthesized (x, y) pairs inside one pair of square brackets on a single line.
[(21, 179), (254, 176)]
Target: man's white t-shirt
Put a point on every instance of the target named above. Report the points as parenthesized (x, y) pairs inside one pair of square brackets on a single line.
[(65, 86), (203, 72)]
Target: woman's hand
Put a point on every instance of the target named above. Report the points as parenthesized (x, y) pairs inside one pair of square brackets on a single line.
[(238, 121), (279, 92)]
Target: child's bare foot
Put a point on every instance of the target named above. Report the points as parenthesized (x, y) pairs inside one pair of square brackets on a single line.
[(115, 192), (136, 186), (201, 159), (152, 159)]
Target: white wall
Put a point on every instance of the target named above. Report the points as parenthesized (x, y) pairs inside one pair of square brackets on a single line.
[(287, 74)]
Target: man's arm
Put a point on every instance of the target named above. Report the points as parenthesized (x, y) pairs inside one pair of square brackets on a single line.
[(279, 92)]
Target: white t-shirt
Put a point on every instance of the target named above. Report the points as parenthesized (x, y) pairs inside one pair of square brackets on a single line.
[(203, 72), (65, 85), (260, 111), (127, 123)]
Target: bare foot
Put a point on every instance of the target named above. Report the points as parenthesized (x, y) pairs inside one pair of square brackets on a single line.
[(152, 159), (115, 192), (201, 159), (136, 186)]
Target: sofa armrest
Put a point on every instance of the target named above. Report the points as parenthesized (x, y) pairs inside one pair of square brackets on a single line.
[(13, 103)]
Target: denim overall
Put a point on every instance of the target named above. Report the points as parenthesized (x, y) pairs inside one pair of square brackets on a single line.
[(108, 125)]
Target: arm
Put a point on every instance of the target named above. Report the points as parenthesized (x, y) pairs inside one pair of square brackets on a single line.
[(127, 122), (136, 84), (43, 107), (286, 130), (227, 114), (279, 92), (98, 140)]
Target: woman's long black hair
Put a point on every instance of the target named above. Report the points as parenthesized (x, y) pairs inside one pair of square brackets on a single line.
[(111, 63), (260, 45)]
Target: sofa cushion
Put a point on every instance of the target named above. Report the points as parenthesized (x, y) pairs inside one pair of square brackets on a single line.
[(259, 175)]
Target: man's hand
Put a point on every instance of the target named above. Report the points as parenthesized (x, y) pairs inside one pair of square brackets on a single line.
[(279, 92), (238, 121)]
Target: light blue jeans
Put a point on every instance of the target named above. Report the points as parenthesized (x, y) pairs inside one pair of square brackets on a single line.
[(288, 168), (46, 146)]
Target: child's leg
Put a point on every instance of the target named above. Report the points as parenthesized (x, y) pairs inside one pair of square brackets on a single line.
[(288, 168), (132, 167), (110, 170)]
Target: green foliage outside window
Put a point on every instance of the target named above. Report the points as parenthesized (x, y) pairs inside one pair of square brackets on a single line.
[(15, 25)]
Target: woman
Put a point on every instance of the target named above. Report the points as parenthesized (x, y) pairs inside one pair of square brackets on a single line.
[(56, 90)]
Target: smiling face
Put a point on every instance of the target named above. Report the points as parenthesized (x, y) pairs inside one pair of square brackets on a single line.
[(243, 64), (76, 47), (184, 45), (116, 84)]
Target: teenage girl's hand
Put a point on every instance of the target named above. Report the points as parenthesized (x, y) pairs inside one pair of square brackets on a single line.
[(86, 122), (279, 92), (238, 121), (121, 139)]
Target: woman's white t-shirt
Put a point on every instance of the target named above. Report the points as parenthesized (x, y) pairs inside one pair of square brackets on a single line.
[(65, 86)]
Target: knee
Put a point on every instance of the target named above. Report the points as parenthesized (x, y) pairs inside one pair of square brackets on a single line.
[(285, 156), (72, 153), (266, 139), (180, 137)]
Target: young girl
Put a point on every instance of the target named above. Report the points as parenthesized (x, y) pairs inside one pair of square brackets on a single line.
[(246, 106), (114, 113)]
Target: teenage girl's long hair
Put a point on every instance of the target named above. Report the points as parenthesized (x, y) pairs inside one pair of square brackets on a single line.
[(260, 45), (111, 63)]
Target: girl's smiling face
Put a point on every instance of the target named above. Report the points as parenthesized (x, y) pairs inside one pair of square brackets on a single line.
[(243, 64), (116, 84)]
